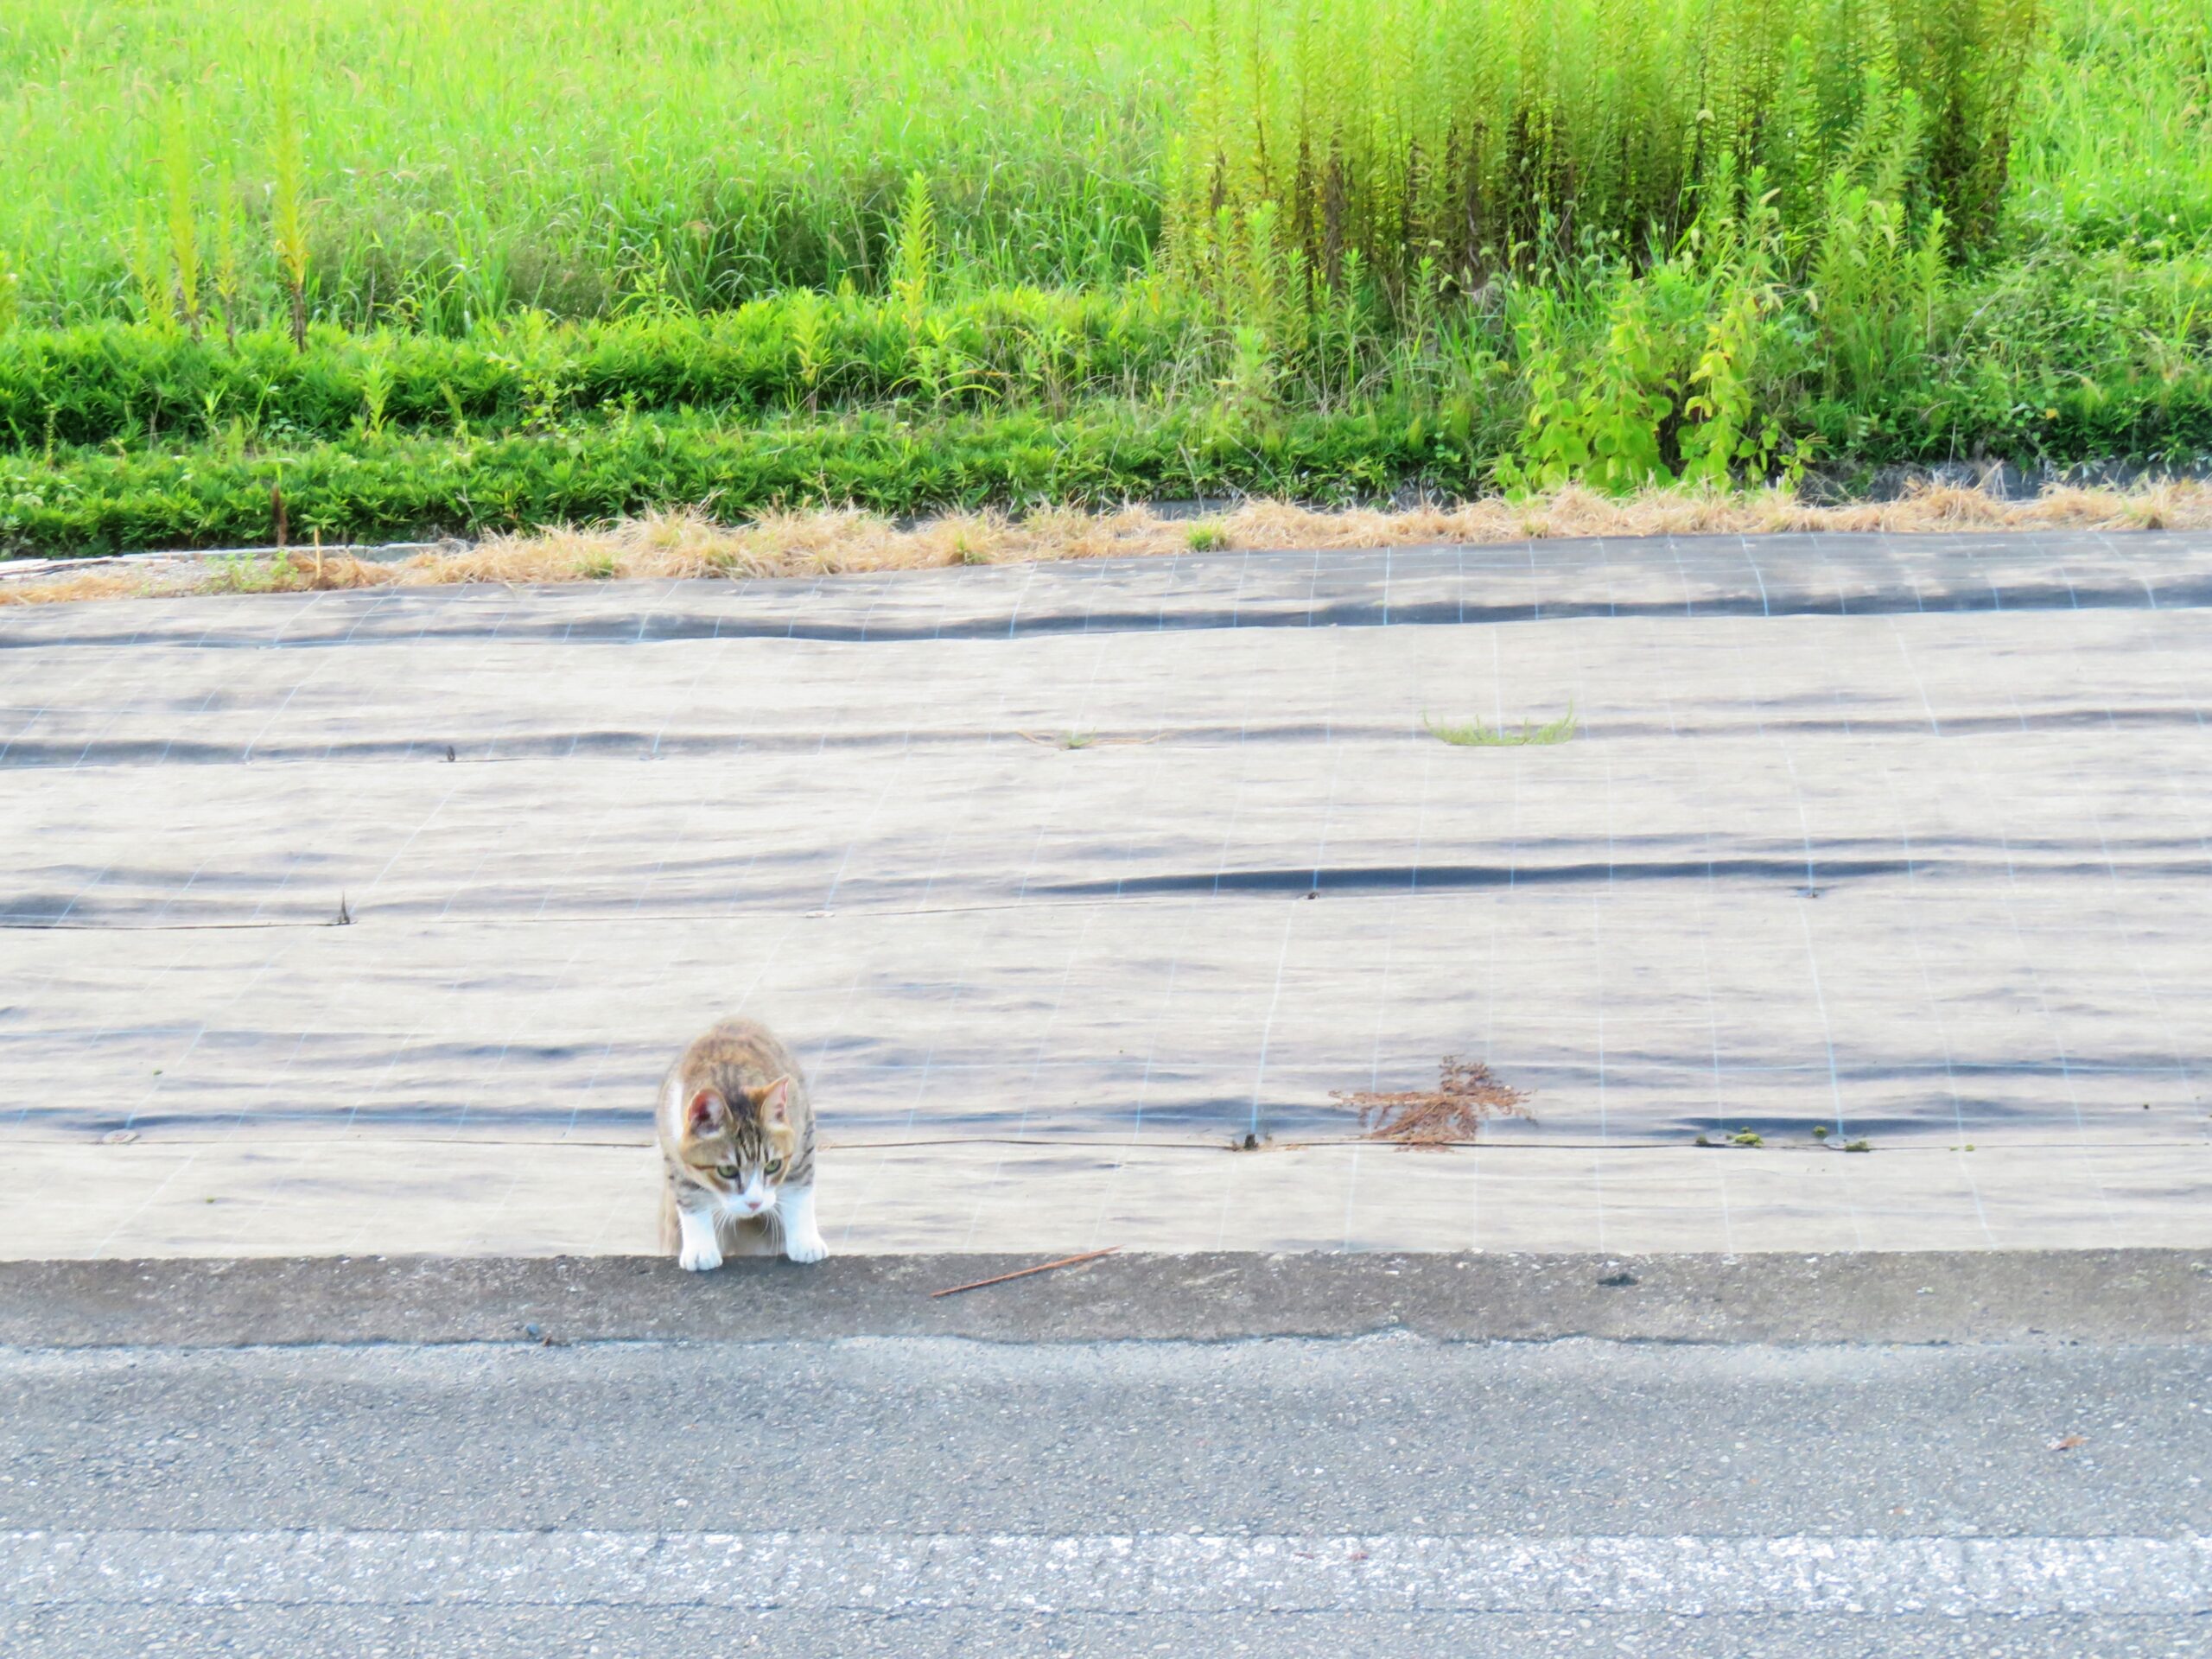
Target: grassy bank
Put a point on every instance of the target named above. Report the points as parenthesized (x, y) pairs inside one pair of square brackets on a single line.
[(462, 267)]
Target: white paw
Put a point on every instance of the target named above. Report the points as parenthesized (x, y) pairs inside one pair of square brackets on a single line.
[(806, 1247), (703, 1258)]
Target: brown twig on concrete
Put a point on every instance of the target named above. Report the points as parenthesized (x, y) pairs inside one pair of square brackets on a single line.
[(1023, 1273)]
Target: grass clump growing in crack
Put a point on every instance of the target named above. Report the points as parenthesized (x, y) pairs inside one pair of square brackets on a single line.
[(1474, 735)]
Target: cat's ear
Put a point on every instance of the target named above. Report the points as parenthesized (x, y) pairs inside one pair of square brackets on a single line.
[(707, 1113), (776, 1103)]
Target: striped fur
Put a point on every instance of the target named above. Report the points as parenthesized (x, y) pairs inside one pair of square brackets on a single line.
[(736, 1124)]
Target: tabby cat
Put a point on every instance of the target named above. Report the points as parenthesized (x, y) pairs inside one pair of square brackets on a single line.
[(736, 1132)]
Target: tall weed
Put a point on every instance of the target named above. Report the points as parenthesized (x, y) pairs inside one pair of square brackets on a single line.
[(1489, 134), (288, 221), (183, 221), (1875, 287)]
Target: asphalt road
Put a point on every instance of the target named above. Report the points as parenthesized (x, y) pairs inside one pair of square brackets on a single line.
[(1384, 1493)]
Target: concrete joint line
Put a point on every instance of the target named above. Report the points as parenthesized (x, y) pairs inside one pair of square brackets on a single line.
[(837, 1570)]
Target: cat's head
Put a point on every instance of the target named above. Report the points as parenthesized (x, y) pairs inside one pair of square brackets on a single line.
[(739, 1146)]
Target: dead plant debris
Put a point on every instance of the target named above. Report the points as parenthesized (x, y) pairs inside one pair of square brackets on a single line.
[(833, 540), (1465, 1098), (1023, 1273)]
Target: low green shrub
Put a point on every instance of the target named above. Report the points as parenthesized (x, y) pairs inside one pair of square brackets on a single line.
[(90, 501), (96, 382)]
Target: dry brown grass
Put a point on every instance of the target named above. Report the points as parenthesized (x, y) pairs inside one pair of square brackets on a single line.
[(67, 588), (303, 570), (1465, 1098), (834, 541)]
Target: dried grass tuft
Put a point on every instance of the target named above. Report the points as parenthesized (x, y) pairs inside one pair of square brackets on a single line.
[(1465, 1098), (841, 540), (68, 589), (303, 570), (308, 571)]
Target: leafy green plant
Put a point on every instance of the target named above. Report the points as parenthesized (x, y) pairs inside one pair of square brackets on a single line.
[(182, 220), (1722, 436), (244, 573), (145, 257), (808, 350), (288, 213), (917, 256), (376, 388), (1598, 415), (1876, 288), (229, 273)]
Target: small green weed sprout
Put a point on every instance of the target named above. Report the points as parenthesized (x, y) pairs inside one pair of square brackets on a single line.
[(1476, 736), (1207, 537), (1073, 740), (243, 573)]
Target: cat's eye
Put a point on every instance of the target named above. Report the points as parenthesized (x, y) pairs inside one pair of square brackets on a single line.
[(728, 1172), (775, 1166)]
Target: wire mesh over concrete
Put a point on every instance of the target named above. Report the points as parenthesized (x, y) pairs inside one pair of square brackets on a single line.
[(1899, 841)]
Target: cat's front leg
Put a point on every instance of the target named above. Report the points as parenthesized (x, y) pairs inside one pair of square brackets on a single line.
[(802, 1240), (702, 1252)]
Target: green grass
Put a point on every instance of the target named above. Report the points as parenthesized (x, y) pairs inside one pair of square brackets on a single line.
[(1474, 735), (464, 266), (459, 158), (2116, 142)]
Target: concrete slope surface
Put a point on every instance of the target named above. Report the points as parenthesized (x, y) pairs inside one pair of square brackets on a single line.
[(2017, 1472), (382, 911)]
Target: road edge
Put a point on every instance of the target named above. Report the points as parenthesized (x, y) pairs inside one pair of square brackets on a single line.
[(2146, 1296)]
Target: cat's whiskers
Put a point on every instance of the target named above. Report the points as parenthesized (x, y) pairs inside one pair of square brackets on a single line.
[(735, 1126)]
